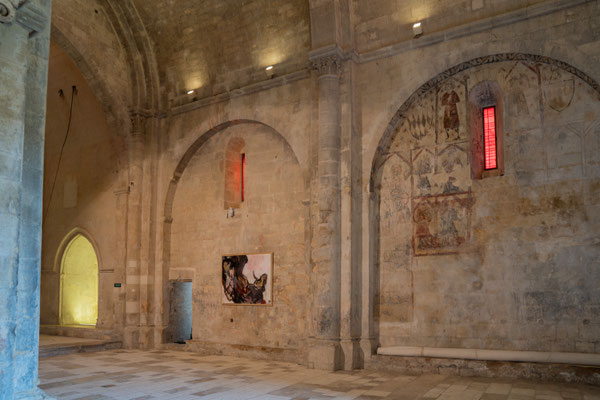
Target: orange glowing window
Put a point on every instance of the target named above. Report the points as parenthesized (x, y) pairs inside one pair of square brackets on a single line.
[(490, 154), (243, 175)]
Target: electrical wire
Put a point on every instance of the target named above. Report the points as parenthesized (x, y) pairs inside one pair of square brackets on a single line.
[(62, 149)]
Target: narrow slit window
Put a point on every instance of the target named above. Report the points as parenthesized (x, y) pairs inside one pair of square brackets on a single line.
[(243, 188), (490, 154)]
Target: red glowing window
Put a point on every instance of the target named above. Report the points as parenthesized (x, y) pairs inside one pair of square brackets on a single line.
[(243, 174), (490, 154)]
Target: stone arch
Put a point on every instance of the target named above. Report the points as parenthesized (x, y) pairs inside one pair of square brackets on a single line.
[(191, 151), (140, 54), (383, 155), (388, 134), (59, 266), (67, 238), (173, 184)]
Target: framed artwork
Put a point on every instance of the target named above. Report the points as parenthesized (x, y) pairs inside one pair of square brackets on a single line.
[(247, 279)]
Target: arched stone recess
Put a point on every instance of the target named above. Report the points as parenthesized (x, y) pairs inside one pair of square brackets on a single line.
[(457, 262), (124, 60), (67, 239), (420, 70), (272, 219), (84, 173), (60, 255), (116, 115)]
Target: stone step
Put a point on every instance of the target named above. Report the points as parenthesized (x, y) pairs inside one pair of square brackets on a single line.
[(76, 345)]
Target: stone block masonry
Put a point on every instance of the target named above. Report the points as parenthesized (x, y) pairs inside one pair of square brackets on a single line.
[(23, 62)]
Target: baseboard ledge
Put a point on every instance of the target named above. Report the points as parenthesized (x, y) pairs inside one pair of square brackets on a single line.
[(584, 359)]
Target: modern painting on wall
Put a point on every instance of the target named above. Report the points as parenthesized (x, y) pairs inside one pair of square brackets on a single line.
[(247, 279)]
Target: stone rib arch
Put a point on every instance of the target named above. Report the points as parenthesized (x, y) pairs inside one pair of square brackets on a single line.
[(146, 96), (389, 132), (191, 151)]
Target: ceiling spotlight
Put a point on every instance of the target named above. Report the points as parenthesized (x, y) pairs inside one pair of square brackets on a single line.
[(190, 92), (270, 67), (417, 29)]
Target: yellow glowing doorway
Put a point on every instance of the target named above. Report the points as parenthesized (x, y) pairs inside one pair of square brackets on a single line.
[(79, 283)]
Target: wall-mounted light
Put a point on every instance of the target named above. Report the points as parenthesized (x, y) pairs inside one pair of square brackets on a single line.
[(269, 71), (190, 91), (417, 29)]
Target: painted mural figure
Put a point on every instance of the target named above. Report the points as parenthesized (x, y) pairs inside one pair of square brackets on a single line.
[(423, 218), (450, 187), (451, 120), (236, 286), (449, 234)]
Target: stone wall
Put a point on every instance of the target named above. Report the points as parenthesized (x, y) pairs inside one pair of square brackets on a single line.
[(271, 219), (503, 262), (386, 22), (81, 195), (404, 73), (86, 31)]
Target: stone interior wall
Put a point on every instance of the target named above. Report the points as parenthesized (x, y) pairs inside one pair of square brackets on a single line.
[(84, 193), (382, 23), (85, 27), (506, 262), (272, 218), (486, 290)]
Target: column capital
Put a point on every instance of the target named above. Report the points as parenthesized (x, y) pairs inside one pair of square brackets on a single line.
[(327, 60), (23, 13), (138, 121)]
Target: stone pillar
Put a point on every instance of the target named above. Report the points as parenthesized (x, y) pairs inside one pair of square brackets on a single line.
[(134, 237), (24, 48), (324, 341), (350, 169), (370, 206)]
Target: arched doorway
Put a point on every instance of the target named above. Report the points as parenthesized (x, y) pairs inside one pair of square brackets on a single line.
[(79, 283)]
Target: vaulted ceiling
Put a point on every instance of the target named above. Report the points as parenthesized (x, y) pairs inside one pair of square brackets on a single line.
[(147, 54), (213, 46)]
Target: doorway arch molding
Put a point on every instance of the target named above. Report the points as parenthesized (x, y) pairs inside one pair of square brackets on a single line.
[(65, 242), (58, 261)]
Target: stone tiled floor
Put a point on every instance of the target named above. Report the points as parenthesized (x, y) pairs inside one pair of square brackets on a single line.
[(127, 374)]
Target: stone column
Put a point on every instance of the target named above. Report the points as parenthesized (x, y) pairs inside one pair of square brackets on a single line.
[(134, 240), (370, 206), (324, 342), (350, 169), (24, 48)]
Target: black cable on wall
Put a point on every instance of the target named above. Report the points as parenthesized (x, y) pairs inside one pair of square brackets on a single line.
[(62, 149)]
